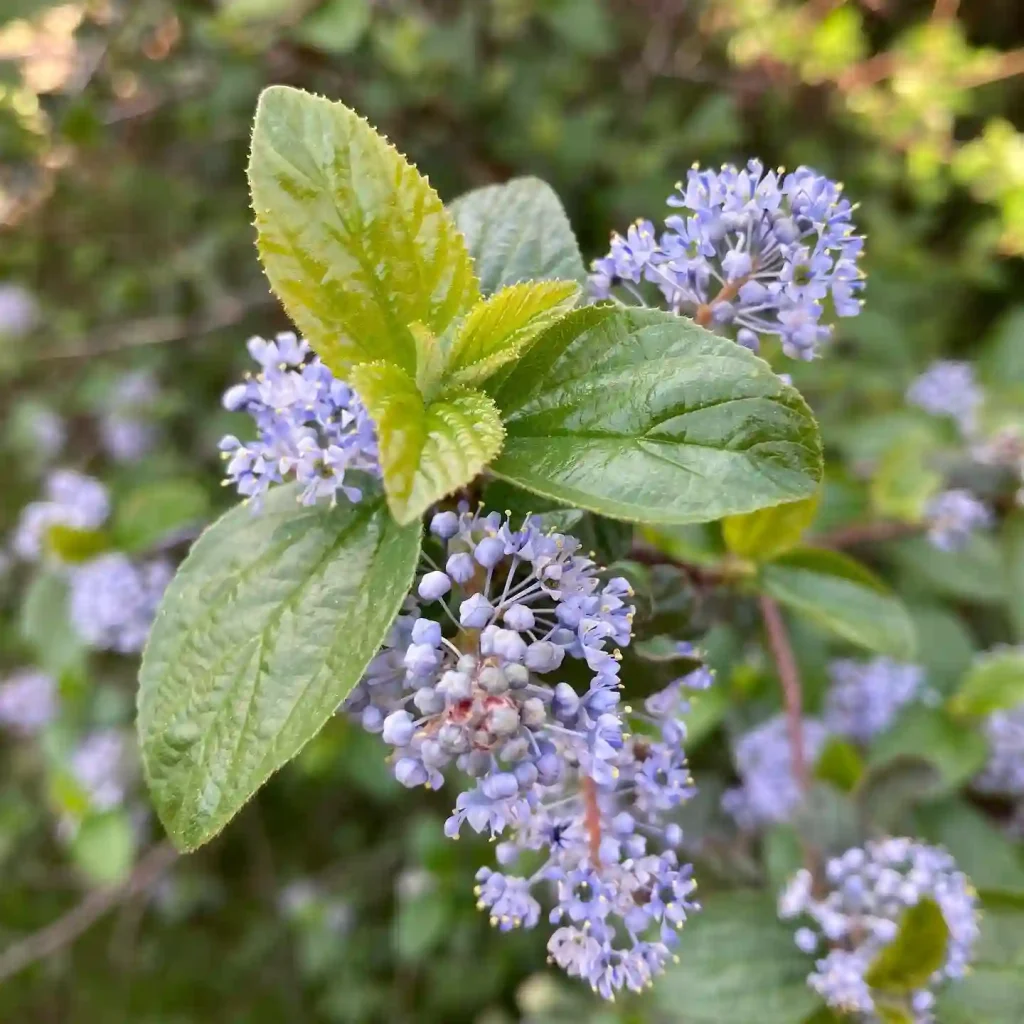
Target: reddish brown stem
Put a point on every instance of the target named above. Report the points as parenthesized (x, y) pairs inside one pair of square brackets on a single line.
[(789, 677), (866, 533), (592, 819)]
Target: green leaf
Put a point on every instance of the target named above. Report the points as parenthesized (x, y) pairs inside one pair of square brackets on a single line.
[(426, 450), (993, 992), (104, 847), (355, 242), (840, 763), (842, 596), (994, 683), (982, 850), (930, 734), (269, 623), (738, 963), (45, 626), (916, 953), (1013, 548), (769, 532), (518, 232), (336, 27), (890, 789), (641, 415), (827, 819), (890, 1013), (976, 573), (499, 329), (72, 545), (903, 482), (155, 510), (945, 647)]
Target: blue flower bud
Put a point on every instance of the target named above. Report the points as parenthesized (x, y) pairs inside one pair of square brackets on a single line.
[(475, 612), (460, 566), (519, 617), (489, 552), (544, 656), (500, 785), (426, 631), (429, 701), (434, 585), (444, 525), (421, 659), (411, 773), (398, 728)]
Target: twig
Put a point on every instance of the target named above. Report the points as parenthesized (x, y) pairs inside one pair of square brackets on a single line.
[(789, 677), (1006, 65), (160, 330), (65, 930), (866, 533)]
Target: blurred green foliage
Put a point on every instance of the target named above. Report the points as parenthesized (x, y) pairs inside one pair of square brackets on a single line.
[(124, 127)]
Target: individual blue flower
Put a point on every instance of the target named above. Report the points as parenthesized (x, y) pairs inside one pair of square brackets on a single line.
[(949, 388), (72, 499), (750, 255), (113, 600), (310, 426), (866, 696), (857, 912), (126, 428), (953, 516)]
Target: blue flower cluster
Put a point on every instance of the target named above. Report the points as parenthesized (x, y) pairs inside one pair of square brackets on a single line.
[(28, 701), (72, 499), (865, 697), (468, 677), (948, 388), (113, 600), (868, 890), (953, 516), (769, 792), (749, 253), (310, 426), (126, 429), (100, 765), (1004, 772)]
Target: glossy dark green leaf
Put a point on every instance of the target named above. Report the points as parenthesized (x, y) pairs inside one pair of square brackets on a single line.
[(268, 625), (355, 242), (643, 416), (842, 596), (994, 683), (916, 953), (518, 232), (737, 962), (427, 448)]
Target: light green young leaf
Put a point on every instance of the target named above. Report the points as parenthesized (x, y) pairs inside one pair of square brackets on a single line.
[(994, 683), (269, 623), (427, 450), (842, 596), (354, 241), (499, 329), (158, 508), (103, 848), (904, 481), (641, 415), (769, 532), (73, 545), (917, 952), (840, 764), (518, 232)]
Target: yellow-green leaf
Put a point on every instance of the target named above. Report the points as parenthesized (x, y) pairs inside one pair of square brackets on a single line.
[(499, 329), (427, 450), (769, 532), (72, 545), (918, 950), (994, 683), (904, 482), (355, 242)]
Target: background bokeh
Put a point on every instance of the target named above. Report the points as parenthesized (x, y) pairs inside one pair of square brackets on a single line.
[(126, 248)]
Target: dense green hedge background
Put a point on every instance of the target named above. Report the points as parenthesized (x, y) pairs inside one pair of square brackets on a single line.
[(123, 208)]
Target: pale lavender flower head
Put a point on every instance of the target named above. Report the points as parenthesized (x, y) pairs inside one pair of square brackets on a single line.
[(126, 429), (28, 701), (311, 427), (113, 600), (750, 255), (867, 891), (19, 311), (953, 516), (866, 696), (71, 499), (948, 388), (769, 792), (100, 766)]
